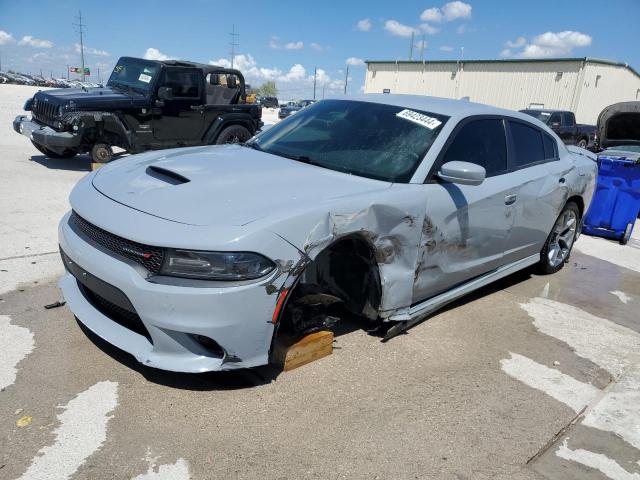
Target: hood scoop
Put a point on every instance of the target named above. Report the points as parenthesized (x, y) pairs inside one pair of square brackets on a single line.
[(166, 175)]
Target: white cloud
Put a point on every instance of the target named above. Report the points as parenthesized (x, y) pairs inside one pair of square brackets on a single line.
[(518, 43), (6, 38), (155, 54), (398, 29), (92, 51), (422, 44), (455, 10), (355, 61), (273, 43), (429, 29), (432, 15), (29, 41), (546, 45), (364, 25), (317, 47), (446, 48), (294, 46)]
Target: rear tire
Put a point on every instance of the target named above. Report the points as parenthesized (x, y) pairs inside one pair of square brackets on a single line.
[(582, 143), (627, 234), (557, 249), (233, 134), (52, 154), (101, 153)]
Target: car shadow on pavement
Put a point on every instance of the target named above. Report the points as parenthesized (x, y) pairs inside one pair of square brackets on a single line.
[(80, 163), (208, 381)]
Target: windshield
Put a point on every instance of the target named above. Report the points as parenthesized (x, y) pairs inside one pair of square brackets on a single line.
[(133, 74), (371, 140), (539, 114)]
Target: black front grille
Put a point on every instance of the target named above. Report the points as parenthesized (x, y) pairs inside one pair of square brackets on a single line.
[(45, 112), (149, 257), (120, 315)]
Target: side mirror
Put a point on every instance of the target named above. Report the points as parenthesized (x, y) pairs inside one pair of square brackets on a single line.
[(165, 93), (464, 173)]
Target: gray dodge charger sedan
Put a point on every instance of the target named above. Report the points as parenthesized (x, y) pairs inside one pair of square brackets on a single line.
[(384, 207)]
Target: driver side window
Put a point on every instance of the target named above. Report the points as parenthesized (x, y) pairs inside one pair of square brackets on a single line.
[(183, 83), (482, 142)]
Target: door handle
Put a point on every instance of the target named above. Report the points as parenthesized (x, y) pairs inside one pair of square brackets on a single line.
[(198, 108), (510, 199)]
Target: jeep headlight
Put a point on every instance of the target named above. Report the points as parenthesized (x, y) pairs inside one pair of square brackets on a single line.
[(224, 266)]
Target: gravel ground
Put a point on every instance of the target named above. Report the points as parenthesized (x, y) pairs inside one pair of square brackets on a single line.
[(473, 393)]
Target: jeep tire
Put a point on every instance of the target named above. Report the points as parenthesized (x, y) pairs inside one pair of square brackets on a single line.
[(233, 134)]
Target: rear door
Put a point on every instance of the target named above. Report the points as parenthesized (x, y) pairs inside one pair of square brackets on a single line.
[(466, 227), (540, 172), (181, 118)]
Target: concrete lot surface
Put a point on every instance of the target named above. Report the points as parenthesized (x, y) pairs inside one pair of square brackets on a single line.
[(534, 377)]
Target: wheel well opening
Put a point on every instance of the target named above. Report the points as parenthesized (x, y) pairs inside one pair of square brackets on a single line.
[(342, 281), (579, 202)]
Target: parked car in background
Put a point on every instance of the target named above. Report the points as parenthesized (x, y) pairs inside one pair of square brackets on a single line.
[(146, 105), (268, 102), (563, 122), (384, 206), (293, 107)]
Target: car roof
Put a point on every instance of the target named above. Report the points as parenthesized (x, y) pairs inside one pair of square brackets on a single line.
[(443, 106)]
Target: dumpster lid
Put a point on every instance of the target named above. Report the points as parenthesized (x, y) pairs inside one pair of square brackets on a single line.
[(619, 124)]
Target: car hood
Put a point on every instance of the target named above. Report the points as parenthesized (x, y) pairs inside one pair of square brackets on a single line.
[(222, 185), (619, 124), (90, 98)]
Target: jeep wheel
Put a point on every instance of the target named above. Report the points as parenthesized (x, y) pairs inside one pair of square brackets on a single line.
[(233, 134), (101, 153), (582, 143), (51, 153)]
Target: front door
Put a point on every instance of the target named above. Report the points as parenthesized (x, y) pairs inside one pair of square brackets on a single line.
[(466, 227), (181, 118)]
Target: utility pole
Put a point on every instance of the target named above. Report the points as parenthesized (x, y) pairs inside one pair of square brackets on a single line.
[(67, 73), (323, 85), (422, 45), (411, 46), (315, 74), (81, 26), (346, 80), (233, 43)]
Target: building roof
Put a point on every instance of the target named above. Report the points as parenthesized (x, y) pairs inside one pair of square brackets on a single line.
[(516, 60)]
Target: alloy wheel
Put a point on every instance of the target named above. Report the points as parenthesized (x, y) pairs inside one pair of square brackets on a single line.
[(562, 238)]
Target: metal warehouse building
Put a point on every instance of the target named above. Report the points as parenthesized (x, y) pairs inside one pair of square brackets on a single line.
[(582, 85)]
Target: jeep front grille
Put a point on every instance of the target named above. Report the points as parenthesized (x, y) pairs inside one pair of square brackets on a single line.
[(44, 112), (149, 257)]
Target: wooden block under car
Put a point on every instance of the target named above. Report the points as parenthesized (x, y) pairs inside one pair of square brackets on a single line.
[(311, 347)]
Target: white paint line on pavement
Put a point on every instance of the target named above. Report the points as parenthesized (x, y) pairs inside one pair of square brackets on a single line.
[(626, 256), (15, 344), (171, 471), (82, 431), (597, 461), (623, 297), (609, 345), (554, 383), (619, 409)]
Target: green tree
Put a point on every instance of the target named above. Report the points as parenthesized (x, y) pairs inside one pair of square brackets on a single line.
[(268, 89)]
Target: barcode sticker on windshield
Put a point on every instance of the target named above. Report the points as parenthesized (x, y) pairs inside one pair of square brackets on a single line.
[(419, 118), (144, 78)]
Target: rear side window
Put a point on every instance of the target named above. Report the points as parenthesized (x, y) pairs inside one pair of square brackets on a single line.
[(528, 144), (482, 142), (183, 83), (550, 147)]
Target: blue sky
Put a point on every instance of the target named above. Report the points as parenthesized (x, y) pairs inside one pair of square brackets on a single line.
[(284, 40)]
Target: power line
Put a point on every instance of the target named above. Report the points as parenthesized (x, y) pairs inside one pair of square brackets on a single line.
[(81, 27), (235, 42)]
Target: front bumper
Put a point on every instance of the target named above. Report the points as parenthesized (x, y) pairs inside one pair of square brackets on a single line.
[(236, 317), (46, 136)]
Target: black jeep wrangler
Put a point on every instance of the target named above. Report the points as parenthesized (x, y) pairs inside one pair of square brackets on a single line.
[(145, 105)]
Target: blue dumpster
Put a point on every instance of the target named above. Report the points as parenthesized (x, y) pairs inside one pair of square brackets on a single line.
[(616, 202)]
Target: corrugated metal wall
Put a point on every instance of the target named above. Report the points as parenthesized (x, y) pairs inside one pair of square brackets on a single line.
[(513, 85)]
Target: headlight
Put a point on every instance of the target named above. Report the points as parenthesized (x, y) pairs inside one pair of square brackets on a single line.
[(216, 265), (28, 105)]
